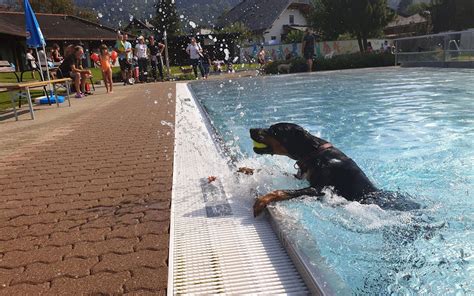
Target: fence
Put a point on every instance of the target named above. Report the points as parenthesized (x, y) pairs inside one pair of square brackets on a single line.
[(444, 49)]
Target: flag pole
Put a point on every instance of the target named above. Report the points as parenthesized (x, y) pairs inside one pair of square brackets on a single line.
[(165, 37), (39, 64), (49, 77)]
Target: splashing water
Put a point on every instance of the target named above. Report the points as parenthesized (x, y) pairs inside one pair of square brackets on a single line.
[(410, 130)]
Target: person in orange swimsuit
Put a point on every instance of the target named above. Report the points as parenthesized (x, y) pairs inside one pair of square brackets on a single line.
[(106, 67)]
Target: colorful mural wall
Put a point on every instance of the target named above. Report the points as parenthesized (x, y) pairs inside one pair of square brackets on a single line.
[(322, 49)]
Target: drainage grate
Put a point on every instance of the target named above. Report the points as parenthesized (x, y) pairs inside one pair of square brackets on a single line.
[(216, 245)]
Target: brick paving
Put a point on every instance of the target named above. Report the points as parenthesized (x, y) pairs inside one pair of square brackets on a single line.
[(85, 208)]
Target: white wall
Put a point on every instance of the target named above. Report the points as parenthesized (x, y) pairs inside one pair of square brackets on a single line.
[(284, 19)]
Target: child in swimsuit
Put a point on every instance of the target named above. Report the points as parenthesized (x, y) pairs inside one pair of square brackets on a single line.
[(106, 67)]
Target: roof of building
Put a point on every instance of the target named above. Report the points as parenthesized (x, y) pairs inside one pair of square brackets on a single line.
[(56, 27), (140, 24), (257, 15), (405, 21)]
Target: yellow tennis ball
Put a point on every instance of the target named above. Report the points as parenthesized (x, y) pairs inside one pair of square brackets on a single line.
[(259, 145)]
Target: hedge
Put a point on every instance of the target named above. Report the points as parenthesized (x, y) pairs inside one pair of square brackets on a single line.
[(339, 62)]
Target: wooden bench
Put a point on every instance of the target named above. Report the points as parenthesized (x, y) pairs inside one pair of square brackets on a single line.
[(6, 67), (29, 85)]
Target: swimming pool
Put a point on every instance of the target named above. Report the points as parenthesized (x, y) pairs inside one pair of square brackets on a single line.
[(410, 130)]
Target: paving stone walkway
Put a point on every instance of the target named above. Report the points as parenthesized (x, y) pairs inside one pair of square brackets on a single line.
[(85, 208)]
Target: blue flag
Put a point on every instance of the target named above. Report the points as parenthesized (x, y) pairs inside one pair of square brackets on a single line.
[(34, 37)]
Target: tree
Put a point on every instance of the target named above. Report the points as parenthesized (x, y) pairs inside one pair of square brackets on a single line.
[(86, 13), (362, 18), (403, 6), (420, 8), (53, 6), (367, 18), (167, 18), (294, 36), (60, 7), (452, 14), (239, 28), (328, 17)]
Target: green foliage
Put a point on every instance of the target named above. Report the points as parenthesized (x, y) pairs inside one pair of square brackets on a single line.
[(294, 36), (328, 16), (62, 7), (167, 18), (86, 13), (452, 15), (362, 18), (345, 36), (238, 28), (403, 6), (339, 62), (420, 8), (53, 6)]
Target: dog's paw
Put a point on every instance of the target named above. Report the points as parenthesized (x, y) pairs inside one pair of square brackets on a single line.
[(245, 170), (262, 202), (211, 179)]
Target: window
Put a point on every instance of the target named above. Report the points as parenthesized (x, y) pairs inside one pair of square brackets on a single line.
[(274, 37), (292, 19)]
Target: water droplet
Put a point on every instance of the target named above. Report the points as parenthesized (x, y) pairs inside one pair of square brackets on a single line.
[(192, 24)]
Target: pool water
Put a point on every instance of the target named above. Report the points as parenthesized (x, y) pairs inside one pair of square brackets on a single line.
[(410, 130)]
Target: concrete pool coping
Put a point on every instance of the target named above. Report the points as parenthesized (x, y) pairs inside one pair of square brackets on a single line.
[(318, 280)]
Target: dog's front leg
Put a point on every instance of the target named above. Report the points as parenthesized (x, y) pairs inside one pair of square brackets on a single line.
[(278, 195)]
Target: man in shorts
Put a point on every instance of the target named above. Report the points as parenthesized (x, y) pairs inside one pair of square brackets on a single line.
[(307, 48), (124, 49), (72, 68)]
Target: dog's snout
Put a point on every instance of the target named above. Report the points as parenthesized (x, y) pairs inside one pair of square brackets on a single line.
[(255, 133)]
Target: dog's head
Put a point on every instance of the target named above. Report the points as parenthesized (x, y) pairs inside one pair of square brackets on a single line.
[(286, 139)]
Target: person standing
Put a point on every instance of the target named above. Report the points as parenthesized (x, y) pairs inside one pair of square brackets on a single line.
[(307, 48), (141, 52), (369, 47), (155, 50), (194, 51), (106, 67), (206, 63), (261, 57), (124, 49)]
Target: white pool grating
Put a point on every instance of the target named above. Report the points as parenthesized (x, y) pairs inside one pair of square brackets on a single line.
[(230, 254)]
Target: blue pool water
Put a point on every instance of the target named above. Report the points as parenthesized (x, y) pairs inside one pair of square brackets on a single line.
[(410, 130)]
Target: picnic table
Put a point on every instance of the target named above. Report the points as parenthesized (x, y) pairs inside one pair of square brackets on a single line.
[(10, 87)]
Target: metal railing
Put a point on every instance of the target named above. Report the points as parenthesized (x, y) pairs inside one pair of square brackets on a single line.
[(442, 48)]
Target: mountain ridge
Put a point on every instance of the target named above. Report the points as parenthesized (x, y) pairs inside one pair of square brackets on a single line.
[(117, 14)]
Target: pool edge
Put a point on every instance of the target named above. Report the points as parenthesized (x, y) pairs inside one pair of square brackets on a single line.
[(315, 282)]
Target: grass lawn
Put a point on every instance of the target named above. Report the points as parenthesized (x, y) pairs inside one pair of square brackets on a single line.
[(174, 70)]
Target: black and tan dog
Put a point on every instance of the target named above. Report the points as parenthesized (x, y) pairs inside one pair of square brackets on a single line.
[(323, 165)]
